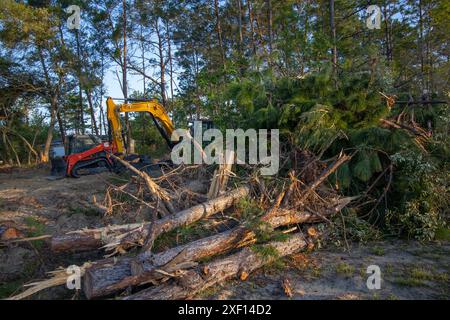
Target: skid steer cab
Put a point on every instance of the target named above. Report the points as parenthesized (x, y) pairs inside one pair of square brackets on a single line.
[(82, 155)]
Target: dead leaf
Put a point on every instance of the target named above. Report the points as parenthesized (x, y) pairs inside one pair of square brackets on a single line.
[(287, 288), (312, 232), (300, 292), (244, 276), (10, 233), (349, 296), (205, 270), (299, 260)]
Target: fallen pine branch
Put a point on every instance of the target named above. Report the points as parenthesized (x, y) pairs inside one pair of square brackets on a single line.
[(156, 192), (341, 159)]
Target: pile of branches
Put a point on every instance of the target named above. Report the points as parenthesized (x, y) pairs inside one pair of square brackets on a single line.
[(260, 220)]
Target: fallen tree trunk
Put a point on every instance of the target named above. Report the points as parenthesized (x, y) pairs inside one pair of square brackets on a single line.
[(94, 238), (209, 274), (106, 278), (89, 239), (110, 276)]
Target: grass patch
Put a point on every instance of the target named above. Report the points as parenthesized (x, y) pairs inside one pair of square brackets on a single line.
[(316, 272), (208, 292), (266, 252), (180, 236), (392, 297), (419, 276), (271, 256), (379, 251), (119, 178), (8, 288), (409, 282), (345, 269), (276, 265), (35, 229), (442, 234), (248, 209), (90, 212), (389, 268)]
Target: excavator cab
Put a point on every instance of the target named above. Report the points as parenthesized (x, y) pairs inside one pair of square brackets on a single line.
[(82, 143), (83, 154)]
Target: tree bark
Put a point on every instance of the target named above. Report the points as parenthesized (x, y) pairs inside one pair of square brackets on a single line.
[(169, 47), (124, 75), (219, 31), (62, 130), (80, 85), (162, 65), (241, 36), (110, 276), (269, 23), (333, 37), (92, 111), (252, 27), (53, 95), (51, 127)]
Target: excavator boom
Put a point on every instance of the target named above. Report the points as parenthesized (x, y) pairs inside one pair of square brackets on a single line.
[(153, 107)]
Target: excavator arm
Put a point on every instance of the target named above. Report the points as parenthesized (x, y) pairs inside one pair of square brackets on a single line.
[(155, 109)]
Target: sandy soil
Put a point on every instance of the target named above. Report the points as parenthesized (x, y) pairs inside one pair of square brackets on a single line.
[(409, 270), (35, 206)]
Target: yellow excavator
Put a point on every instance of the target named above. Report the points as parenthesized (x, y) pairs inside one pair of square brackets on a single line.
[(87, 154)]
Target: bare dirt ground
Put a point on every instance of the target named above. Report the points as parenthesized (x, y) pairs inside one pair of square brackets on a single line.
[(35, 206), (409, 270)]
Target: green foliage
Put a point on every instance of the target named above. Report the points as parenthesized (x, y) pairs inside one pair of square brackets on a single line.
[(345, 269), (352, 227), (421, 190), (250, 212), (324, 116), (266, 252), (148, 139)]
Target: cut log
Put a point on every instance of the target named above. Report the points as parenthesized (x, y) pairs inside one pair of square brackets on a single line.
[(209, 274), (104, 279), (95, 238)]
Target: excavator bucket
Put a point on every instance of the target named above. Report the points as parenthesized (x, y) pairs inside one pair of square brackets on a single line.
[(59, 168)]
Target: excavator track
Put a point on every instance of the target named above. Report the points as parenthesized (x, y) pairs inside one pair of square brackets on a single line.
[(92, 166)]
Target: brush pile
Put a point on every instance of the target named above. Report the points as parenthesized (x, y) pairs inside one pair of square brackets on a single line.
[(205, 224)]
